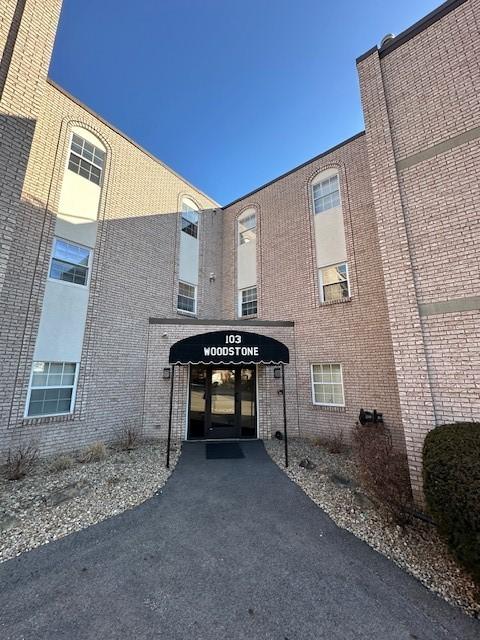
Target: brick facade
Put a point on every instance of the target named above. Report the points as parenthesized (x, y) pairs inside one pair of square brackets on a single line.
[(288, 290), (407, 337), (422, 106)]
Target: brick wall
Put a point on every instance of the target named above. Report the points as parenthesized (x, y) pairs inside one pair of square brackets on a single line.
[(422, 108), (407, 338), (27, 33), (354, 333), (133, 273)]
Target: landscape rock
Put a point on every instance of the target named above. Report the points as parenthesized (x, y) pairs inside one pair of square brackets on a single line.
[(68, 492), (307, 464), (81, 495), (363, 501), (8, 522), (342, 481), (333, 485)]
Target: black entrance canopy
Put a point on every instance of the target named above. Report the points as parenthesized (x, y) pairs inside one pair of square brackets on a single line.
[(229, 347)]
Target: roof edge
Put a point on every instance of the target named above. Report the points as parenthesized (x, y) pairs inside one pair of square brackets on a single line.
[(221, 322), (366, 54), (300, 166), (414, 30), (93, 113)]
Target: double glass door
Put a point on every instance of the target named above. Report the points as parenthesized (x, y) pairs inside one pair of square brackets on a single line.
[(222, 402)]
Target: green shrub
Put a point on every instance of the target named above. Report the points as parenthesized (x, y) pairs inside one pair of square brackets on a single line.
[(451, 483)]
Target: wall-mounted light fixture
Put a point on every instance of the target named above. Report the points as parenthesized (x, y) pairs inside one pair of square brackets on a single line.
[(213, 277), (166, 373), (277, 372)]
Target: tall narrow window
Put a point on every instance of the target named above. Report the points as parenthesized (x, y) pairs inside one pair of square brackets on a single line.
[(334, 282), (70, 262), (187, 297), (86, 159), (327, 385), (247, 228), (326, 194), (248, 301), (52, 388), (189, 219)]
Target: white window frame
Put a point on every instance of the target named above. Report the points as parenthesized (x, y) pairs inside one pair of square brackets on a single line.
[(240, 292), (321, 285), (313, 383), (192, 208), (72, 400), (240, 220), (323, 177), (195, 288), (70, 151), (89, 265)]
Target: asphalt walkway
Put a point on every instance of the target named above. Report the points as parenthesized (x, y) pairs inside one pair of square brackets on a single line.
[(230, 549)]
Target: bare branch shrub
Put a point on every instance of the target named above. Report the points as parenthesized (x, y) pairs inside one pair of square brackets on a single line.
[(383, 472), (20, 461), (130, 434), (333, 444), (94, 453)]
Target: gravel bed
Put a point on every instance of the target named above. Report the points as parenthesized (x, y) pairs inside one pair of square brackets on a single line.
[(101, 489), (332, 485)]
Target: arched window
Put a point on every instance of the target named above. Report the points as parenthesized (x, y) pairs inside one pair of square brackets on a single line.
[(247, 227), (87, 155), (326, 191), (189, 217), (330, 243), (189, 258), (83, 180), (247, 263), (58, 346)]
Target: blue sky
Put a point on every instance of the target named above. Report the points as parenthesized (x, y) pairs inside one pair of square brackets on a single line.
[(229, 93)]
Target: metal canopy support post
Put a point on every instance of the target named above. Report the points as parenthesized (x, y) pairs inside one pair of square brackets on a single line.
[(170, 417), (284, 416)]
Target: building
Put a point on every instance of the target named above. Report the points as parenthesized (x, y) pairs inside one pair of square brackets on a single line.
[(358, 273)]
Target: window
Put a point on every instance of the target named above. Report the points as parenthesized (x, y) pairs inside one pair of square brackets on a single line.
[(327, 385), (70, 262), (334, 283), (248, 301), (326, 194), (186, 297), (189, 220), (51, 388), (86, 159), (247, 228)]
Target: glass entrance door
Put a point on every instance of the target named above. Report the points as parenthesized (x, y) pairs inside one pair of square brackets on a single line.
[(222, 402), (221, 415)]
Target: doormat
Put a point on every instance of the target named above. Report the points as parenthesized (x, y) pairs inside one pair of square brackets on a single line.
[(223, 450)]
